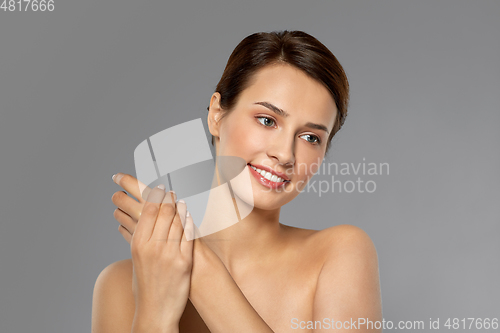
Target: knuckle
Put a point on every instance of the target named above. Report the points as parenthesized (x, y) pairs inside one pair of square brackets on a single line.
[(179, 264), (139, 251), (168, 209), (177, 222), (150, 210)]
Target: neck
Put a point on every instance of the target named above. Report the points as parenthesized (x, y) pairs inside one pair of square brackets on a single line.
[(255, 239)]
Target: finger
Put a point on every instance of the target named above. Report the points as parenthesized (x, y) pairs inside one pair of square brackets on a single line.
[(164, 220), (146, 223), (127, 204), (176, 229), (132, 185), (188, 236), (170, 197), (125, 233), (125, 220), (182, 209)]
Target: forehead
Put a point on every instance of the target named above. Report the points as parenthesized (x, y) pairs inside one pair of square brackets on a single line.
[(292, 90)]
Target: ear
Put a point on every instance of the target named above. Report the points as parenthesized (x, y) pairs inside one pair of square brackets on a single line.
[(214, 114)]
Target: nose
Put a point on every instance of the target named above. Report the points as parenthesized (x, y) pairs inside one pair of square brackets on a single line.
[(283, 150)]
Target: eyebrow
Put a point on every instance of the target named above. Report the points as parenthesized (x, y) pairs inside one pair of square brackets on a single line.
[(285, 114)]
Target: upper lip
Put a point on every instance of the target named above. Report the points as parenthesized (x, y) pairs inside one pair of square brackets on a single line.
[(274, 172)]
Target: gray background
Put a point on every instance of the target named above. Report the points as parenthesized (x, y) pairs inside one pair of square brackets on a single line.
[(82, 86)]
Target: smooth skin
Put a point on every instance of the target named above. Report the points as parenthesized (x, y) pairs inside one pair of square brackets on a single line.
[(260, 275), (162, 259)]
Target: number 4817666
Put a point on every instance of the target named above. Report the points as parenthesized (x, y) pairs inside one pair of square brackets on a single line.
[(27, 5)]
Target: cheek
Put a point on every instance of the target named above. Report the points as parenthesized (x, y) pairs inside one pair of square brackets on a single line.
[(306, 169), (315, 164), (242, 138), (309, 165)]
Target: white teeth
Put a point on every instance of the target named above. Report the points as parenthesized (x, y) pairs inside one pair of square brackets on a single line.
[(258, 170), (268, 175)]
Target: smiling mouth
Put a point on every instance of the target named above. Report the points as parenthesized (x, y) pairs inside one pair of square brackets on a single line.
[(272, 178)]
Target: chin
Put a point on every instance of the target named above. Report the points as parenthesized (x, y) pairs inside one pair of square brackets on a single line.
[(271, 201)]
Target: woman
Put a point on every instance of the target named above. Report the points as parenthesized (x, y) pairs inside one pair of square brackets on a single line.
[(281, 98)]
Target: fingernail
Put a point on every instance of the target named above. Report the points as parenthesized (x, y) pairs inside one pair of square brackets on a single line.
[(117, 177), (182, 201), (161, 187), (187, 214)]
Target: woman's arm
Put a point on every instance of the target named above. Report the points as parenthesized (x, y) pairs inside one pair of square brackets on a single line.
[(161, 272), (113, 305), (348, 287), (218, 299), (213, 292)]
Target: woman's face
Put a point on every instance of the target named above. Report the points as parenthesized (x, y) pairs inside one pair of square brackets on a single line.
[(290, 141)]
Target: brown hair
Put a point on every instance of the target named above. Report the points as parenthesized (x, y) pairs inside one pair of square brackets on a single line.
[(296, 48)]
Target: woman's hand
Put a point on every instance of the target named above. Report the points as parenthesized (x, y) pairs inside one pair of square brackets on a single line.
[(129, 209), (162, 260), (211, 281)]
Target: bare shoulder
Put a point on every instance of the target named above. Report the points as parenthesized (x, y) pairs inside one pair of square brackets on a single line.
[(118, 267), (348, 284), (336, 240), (345, 239), (113, 304)]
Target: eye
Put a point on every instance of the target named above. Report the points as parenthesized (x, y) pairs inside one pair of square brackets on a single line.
[(314, 137), (266, 121)]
